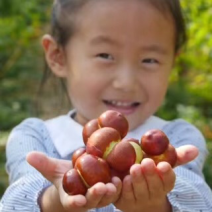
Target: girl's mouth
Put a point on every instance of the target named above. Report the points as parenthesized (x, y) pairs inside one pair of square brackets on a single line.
[(124, 107)]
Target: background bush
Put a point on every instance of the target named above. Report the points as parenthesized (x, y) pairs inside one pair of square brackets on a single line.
[(22, 25)]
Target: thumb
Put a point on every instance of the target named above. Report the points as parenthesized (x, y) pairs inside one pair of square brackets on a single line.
[(52, 169), (186, 154)]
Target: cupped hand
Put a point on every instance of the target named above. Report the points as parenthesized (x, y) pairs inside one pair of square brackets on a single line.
[(53, 170), (146, 188)]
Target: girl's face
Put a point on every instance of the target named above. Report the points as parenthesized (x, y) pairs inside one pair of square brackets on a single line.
[(120, 58)]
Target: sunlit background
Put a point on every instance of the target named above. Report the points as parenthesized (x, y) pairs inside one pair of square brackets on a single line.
[(22, 24)]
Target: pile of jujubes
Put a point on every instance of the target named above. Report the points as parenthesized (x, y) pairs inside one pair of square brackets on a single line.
[(109, 153)]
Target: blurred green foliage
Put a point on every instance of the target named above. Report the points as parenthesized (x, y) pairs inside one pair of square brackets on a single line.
[(22, 24), (189, 95), (190, 92), (21, 59)]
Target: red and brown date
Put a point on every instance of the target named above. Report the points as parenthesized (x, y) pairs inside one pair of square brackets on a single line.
[(108, 152)]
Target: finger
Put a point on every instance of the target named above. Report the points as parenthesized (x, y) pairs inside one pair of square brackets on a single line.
[(167, 175), (127, 193), (109, 196), (118, 184), (50, 168), (113, 192), (95, 194), (70, 202), (74, 202), (186, 154), (139, 183), (153, 180)]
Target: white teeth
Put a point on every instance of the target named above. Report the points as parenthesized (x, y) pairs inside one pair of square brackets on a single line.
[(121, 104)]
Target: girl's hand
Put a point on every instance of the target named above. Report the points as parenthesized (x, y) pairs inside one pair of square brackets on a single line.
[(53, 170), (146, 188)]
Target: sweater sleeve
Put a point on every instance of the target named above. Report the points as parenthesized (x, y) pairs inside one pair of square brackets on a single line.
[(25, 183), (191, 192)]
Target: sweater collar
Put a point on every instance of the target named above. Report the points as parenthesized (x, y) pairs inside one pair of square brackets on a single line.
[(66, 133)]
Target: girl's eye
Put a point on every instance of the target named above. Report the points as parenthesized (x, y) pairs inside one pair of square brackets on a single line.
[(150, 61), (105, 56)]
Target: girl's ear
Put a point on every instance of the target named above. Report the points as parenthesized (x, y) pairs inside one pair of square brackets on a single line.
[(54, 55)]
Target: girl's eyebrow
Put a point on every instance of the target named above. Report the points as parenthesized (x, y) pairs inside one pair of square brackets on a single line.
[(104, 39), (155, 48)]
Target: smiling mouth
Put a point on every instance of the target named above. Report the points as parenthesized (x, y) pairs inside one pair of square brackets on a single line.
[(121, 104)]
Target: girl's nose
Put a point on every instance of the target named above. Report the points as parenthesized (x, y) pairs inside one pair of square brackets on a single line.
[(126, 79)]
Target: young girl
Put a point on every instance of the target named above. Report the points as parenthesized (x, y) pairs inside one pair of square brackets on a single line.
[(114, 54)]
